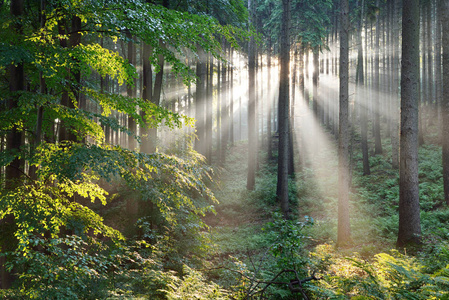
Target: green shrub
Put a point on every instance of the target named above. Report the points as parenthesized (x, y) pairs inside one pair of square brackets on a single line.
[(193, 285)]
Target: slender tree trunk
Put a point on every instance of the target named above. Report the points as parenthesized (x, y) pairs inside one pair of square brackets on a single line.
[(200, 99), (409, 216), (231, 97), (224, 109), (376, 87), (152, 93), (438, 71), (40, 109), (423, 89), (260, 108), (14, 170), (430, 100), (252, 138), (148, 140), (270, 100), (219, 96), (344, 228), (240, 103), (315, 75), (444, 4), (395, 99), (256, 99), (360, 80), (208, 104), (306, 69), (131, 92), (283, 115), (65, 133), (387, 58), (292, 104)]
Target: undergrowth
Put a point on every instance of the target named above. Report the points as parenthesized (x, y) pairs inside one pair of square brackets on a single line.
[(370, 269), (240, 247)]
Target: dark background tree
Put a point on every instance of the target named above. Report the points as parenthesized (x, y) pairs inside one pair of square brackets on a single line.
[(409, 212), (344, 228), (284, 115), (444, 7)]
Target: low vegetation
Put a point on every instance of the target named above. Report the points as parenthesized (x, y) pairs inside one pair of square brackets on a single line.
[(238, 247)]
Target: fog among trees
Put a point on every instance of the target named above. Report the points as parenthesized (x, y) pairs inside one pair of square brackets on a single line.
[(224, 149)]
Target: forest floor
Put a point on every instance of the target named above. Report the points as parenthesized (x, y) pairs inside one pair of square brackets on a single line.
[(239, 229), (242, 214)]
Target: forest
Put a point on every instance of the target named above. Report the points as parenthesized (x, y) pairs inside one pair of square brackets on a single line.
[(224, 149)]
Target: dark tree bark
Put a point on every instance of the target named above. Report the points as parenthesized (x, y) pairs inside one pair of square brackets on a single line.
[(65, 134), (315, 75), (360, 81), (148, 143), (292, 104), (423, 88), (395, 92), (16, 83), (344, 228), (14, 170), (387, 67), (151, 93), (270, 100), (131, 92), (409, 216), (40, 109), (444, 4), (252, 138), (430, 96), (283, 114), (438, 69), (376, 87)]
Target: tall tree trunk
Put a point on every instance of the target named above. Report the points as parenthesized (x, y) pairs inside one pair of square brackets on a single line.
[(301, 84), (438, 71), (409, 217), (360, 80), (315, 75), (395, 97), (423, 89), (65, 134), (42, 89), (344, 228), (151, 93), (156, 95), (292, 104), (252, 138), (387, 58), (256, 99), (131, 92), (283, 115), (224, 109), (219, 96), (376, 87), (270, 100), (200, 99), (14, 170), (444, 4), (148, 140), (231, 96), (430, 100), (208, 108)]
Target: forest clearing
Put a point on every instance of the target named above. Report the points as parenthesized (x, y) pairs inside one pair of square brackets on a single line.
[(224, 149)]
